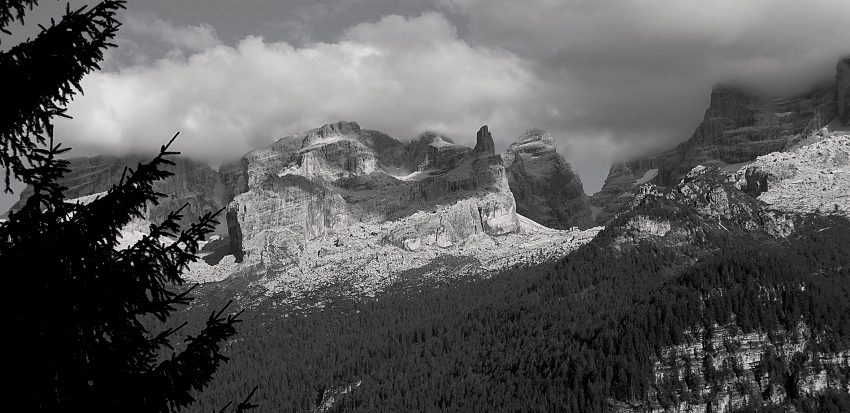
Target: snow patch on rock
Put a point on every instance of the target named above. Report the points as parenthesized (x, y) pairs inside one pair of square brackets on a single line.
[(647, 176)]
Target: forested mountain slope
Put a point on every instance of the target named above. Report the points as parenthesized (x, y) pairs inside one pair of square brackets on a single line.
[(698, 312)]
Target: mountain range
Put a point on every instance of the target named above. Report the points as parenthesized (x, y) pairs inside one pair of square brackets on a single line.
[(335, 205), (711, 277)]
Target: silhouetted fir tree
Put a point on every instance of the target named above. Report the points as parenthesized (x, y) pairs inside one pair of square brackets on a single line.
[(76, 323)]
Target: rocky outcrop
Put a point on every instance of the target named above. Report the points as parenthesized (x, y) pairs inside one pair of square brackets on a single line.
[(493, 215), (707, 193), (723, 370), (306, 214), (769, 195), (484, 142), (193, 182), (619, 188), (325, 181), (545, 187), (812, 178), (737, 128), (641, 227), (711, 192)]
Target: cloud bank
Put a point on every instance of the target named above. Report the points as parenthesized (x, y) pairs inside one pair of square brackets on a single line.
[(608, 79), (398, 75)]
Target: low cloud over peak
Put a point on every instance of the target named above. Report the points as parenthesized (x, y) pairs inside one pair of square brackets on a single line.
[(399, 75), (609, 80), (635, 76)]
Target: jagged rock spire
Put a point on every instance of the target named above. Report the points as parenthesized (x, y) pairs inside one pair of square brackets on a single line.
[(484, 142)]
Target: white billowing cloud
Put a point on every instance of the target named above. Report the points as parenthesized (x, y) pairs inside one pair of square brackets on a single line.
[(401, 76)]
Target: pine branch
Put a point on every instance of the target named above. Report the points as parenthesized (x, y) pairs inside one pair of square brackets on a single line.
[(71, 49), (149, 263), (124, 284), (48, 197), (103, 218), (11, 10), (158, 265)]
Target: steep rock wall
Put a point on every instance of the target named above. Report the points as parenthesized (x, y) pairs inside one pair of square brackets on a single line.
[(545, 187), (737, 128), (723, 369), (312, 184)]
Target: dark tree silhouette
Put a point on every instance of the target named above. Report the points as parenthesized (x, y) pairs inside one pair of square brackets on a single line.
[(81, 308)]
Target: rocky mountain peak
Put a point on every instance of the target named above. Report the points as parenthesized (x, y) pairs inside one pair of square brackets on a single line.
[(484, 142), (361, 191), (432, 139), (535, 142), (336, 129), (534, 138), (330, 130), (435, 151), (545, 187)]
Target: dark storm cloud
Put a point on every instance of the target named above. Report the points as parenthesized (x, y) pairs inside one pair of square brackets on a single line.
[(296, 22), (635, 76)]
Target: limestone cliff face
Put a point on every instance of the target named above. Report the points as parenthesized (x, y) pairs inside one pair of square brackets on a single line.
[(193, 182), (545, 187), (723, 370), (736, 128), (273, 219), (348, 208), (491, 214), (325, 180)]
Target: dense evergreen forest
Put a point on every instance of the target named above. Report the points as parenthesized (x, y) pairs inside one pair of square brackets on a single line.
[(566, 336)]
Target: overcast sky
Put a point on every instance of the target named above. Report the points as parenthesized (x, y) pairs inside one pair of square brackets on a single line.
[(608, 78)]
